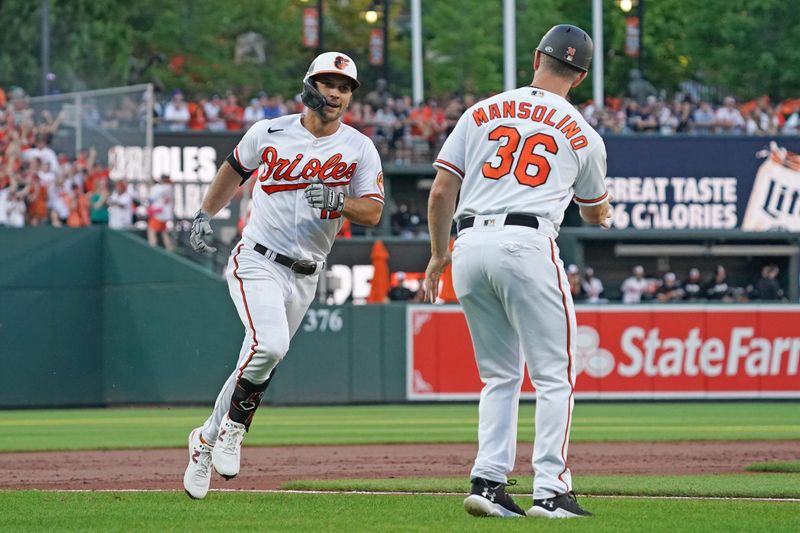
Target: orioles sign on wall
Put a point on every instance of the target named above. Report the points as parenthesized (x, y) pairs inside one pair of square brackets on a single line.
[(741, 351)]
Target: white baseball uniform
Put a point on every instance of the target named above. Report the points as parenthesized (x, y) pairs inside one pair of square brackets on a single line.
[(521, 152), (271, 298)]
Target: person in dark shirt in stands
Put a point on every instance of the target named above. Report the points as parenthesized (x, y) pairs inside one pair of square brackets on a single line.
[(692, 290), (767, 287), (400, 293), (670, 289), (717, 288)]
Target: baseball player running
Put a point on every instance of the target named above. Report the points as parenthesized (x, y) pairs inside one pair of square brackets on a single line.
[(312, 171), (517, 159)]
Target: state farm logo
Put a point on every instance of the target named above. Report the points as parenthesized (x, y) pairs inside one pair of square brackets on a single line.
[(646, 352), (597, 362)]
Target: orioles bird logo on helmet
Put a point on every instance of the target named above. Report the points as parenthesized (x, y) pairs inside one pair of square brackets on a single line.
[(341, 62)]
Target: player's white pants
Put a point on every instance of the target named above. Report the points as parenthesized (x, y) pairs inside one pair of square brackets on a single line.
[(271, 301), (513, 289)]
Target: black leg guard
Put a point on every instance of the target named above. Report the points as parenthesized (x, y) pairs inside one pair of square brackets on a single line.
[(245, 400)]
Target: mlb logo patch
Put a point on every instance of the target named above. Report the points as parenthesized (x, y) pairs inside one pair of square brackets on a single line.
[(489, 222)]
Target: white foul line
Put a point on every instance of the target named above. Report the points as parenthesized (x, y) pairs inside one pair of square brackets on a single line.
[(401, 493)]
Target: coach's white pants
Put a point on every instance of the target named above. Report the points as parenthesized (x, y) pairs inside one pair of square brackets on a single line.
[(513, 289), (271, 301)]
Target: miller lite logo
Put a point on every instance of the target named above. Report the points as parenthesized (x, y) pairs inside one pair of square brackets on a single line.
[(774, 203), (341, 62)]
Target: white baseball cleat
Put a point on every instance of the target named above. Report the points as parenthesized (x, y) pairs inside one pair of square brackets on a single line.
[(198, 474), (227, 453)]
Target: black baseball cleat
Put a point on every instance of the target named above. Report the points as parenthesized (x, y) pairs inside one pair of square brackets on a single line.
[(561, 506), (489, 498)]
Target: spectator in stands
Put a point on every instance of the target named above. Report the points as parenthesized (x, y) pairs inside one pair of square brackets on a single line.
[(728, 118), (717, 287), (197, 115), (685, 117), (159, 213), (15, 206), (767, 287), (120, 207), (274, 107), (78, 206), (213, 112), (670, 289), (592, 287), (37, 200), (176, 112), (98, 203), (253, 113), (635, 287), (233, 113), (42, 152), (792, 124), (704, 118), (400, 293), (692, 290), (575, 283)]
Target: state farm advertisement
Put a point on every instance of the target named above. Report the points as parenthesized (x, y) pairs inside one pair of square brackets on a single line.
[(646, 352)]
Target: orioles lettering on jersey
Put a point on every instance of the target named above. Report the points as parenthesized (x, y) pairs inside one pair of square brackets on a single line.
[(540, 113), (333, 172)]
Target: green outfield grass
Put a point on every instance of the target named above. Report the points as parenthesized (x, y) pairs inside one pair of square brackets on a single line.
[(173, 511), (167, 427), (766, 485), (776, 467)]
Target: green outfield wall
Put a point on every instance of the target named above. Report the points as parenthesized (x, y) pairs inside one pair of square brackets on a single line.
[(96, 317)]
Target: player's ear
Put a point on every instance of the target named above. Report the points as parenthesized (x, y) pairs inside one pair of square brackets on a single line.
[(537, 57), (579, 79)]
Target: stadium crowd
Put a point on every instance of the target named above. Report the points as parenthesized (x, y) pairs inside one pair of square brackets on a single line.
[(405, 133), (668, 288)]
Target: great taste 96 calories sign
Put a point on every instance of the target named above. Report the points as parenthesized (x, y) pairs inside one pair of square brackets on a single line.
[(646, 352), (680, 183)]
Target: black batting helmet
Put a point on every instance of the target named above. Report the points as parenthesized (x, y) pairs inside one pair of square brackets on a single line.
[(569, 44)]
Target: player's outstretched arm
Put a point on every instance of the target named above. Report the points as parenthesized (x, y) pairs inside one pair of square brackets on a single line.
[(221, 191), (441, 207), (599, 214)]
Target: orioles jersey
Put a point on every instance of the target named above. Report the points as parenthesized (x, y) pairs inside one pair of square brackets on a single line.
[(525, 151), (288, 158)]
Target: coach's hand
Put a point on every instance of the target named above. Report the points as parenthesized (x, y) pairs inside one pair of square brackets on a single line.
[(433, 274), (201, 228), (320, 196)]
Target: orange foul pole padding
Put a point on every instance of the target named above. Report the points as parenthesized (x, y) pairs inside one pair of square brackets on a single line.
[(379, 288)]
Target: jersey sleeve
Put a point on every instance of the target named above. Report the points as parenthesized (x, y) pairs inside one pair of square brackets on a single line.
[(452, 157), (247, 152), (368, 179), (590, 185)]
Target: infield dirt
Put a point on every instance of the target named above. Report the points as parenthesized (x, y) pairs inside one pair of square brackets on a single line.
[(270, 467)]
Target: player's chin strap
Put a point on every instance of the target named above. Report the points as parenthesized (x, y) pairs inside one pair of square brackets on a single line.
[(312, 98)]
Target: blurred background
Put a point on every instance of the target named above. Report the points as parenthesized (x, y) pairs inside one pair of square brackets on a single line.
[(114, 118)]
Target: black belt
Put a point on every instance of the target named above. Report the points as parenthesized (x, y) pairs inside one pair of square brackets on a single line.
[(306, 268), (512, 219)]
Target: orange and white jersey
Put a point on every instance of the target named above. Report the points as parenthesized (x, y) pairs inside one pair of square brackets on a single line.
[(288, 158), (525, 151)]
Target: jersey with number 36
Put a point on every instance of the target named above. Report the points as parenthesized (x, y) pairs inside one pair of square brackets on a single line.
[(525, 151), (289, 158)]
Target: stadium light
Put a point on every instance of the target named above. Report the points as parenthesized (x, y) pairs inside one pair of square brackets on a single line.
[(371, 16), (626, 5)]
